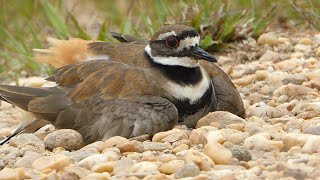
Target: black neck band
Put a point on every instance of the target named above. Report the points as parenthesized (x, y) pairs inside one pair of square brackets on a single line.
[(179, 74)]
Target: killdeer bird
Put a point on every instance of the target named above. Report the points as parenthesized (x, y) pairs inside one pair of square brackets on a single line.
[(129, 89)]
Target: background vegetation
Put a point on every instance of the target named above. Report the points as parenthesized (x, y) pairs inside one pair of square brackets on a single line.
[(25, 24)]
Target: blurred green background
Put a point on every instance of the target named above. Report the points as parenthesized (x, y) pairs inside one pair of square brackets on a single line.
[(25, 24)]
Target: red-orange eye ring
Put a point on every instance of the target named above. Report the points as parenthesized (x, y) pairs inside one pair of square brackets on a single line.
[(172, 42)]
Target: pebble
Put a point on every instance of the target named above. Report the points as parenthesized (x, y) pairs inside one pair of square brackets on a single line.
[(312, 145), (240, 153), (123, 166), (171, 138), (93, 160), (305, 41), (218, 153), (222, 117), (80, 154), (155, 146), (237, 138), (161, 135), (216, 136), (180, 148), (12, 174), (9, 155), (74, 172), (28, 158), (189, 170), (261, 110), (204, 162), (268, 38), (261, 75), (270, 56), (115, 141), (132, 146), (26, 139), (318, 52), (181, 142), (103, 167), (297, 90), (196, 137), (283, 40), (100, 176), (296, 79), (57, 162), (262, 142), (244, 81), (171, 166), (67, 138), (144, 167), (302, 48), (167, 157), (315, 130)]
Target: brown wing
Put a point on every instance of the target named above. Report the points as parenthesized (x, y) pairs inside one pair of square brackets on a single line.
[(227, 95), (107, 79), (99, 99), (114, 99)]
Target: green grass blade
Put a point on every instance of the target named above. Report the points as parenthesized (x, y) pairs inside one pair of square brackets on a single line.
[(55, 20)]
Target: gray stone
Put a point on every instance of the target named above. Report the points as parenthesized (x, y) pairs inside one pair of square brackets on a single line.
[(315, 130), (77, 156), (189, 170), (240, 153)]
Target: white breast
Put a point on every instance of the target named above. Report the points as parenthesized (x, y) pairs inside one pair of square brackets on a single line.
[(193, 92)]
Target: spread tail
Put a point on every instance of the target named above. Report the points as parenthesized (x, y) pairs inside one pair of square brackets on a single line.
[(43, 105), (63, 52)]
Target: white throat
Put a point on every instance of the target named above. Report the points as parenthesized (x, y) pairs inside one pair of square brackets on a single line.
[(172, 61)]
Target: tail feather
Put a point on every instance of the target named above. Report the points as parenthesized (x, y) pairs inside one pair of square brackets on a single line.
[(36, 100), (45, 104), (21, 96), (63, 52)]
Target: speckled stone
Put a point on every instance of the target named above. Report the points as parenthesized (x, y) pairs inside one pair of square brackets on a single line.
[(67, 138), (189, 170)]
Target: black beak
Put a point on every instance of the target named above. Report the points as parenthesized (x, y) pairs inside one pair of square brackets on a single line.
[(199, 53)]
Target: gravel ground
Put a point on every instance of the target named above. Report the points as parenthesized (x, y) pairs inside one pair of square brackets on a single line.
[(278, 77)]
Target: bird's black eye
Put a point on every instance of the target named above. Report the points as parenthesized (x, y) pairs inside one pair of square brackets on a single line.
[(172, 42)]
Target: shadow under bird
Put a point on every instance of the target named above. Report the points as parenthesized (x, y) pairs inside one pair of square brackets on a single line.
[(127, 89)]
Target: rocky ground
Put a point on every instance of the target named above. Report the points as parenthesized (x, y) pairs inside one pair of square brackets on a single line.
[(278, 77)]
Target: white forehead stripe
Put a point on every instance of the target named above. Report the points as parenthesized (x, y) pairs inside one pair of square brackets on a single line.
[(167, 34), (173, 61), (188, 42)]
